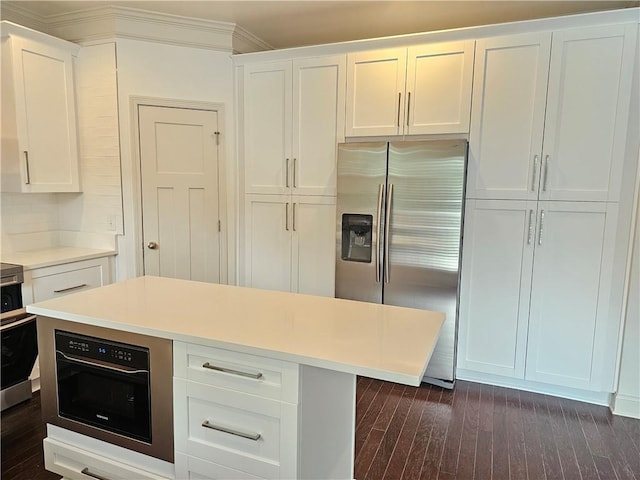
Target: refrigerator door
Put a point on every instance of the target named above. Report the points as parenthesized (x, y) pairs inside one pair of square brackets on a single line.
[(362, 169), (425, 204)]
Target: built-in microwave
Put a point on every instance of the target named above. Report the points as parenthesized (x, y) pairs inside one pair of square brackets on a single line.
[(111, 385)]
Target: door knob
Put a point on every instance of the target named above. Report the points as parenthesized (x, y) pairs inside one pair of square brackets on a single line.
[(152, 245)]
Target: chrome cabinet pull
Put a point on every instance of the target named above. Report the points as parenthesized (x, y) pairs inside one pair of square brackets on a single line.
[(294, 174), (286, 184), (399, 97), (535, 173), (250, 436), (387, 229), (546, 173), (27, 180), (378, 232), (239, 373), (294, 217), (408, 106), (530, 235), (541, 227), (286, 216), (70, 288), (85, 471)]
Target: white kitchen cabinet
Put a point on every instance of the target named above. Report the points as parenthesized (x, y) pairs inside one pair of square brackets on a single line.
[(290, 243), (424, 89), (39, 131), (550, 115), (536, 285), (293, 120)]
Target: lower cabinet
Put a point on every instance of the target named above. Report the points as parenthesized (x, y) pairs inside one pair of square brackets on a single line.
[(535, 292), (290, 243), (194, 468)]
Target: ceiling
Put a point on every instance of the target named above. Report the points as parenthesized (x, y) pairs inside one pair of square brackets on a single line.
[(284, 24)]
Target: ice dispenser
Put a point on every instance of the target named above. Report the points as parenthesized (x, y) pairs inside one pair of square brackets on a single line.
[(356, 237)]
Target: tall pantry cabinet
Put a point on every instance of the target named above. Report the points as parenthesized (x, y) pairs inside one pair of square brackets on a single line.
[(293, 112), (548, 131)]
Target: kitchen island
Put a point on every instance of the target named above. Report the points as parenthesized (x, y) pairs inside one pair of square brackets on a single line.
[(277, 369)]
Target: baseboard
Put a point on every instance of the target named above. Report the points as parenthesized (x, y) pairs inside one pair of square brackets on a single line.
[(626, 406), (597, 398)]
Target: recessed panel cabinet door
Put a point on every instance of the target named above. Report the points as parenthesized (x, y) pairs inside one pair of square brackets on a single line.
[(439, 78), (509, 94), (267, 124), (587, 113), (495, 286), (375, 89), (570, 332)]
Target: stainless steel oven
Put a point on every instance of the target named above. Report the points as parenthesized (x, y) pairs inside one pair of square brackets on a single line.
[(18, 337), (108, 384)]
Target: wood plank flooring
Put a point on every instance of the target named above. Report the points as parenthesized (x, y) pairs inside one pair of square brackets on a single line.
[(406, 433)]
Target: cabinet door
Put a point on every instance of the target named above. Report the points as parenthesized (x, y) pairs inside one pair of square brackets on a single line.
[(439, 78), (497, 259), (507, 119), (570, 293), (587, 113), (318, 123), (314, 245), (268, 242), (45, 111), (375, 89), (267, 128)]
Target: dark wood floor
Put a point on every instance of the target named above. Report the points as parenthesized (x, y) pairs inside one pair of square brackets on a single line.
[(474, 432)]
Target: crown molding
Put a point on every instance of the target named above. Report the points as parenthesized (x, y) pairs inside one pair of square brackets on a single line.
[(12, 12), (111, 22)]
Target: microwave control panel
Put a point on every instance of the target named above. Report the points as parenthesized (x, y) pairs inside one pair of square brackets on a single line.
[(68, 343)]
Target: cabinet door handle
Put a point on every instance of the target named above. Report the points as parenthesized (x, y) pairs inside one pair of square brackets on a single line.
[(535, 173), (27, 180), (286, 216), (546, 173), (68, 289), (294, 173), (219, 428), (85, 471), (286, 181), (541, 227), (294, 217), (530, 235), (399, 97), (239, 373), (408, 106)]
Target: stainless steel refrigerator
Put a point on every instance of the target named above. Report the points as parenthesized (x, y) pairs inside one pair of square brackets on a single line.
[(399, 224)]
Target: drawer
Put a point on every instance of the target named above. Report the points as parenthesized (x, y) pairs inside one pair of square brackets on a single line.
[(246, 373), (192, 468), (236, 430), (70, 462), (80, 276)]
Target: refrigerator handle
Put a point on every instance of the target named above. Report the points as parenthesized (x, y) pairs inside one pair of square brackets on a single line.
[(387, 226), (378, 232)]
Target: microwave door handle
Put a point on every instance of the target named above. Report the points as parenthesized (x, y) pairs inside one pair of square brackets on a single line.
[(101, 365), (379, 231), (17, 323)]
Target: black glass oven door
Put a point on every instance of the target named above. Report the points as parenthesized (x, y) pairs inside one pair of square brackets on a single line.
[(107, 396)]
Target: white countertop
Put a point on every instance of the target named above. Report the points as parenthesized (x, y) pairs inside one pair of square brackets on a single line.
[(46, 257), (378, 341)]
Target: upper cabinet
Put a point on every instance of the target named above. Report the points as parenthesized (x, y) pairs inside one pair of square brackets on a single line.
[(39, 132), (293, 121), (424, 89), (549, 115)]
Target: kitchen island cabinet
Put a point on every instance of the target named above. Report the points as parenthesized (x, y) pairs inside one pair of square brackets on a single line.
[(297, 358)]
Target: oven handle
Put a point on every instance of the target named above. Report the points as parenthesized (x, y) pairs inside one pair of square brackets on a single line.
[(17, 323), (10, 280), (101, 364)]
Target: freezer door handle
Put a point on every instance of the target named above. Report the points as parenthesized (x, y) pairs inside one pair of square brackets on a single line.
[(387, 227), (378, 232)]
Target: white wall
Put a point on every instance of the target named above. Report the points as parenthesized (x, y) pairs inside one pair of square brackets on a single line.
[(148, 69), (27, 220)]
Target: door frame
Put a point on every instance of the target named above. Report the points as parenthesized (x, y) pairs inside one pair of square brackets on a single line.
[(134, 103)]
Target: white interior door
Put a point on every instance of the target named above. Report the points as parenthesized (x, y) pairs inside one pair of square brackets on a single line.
[(179, 168)]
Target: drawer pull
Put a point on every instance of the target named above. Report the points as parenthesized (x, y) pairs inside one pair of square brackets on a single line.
[(250, 436), (255, 376), (85, 471), (70, 288)]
